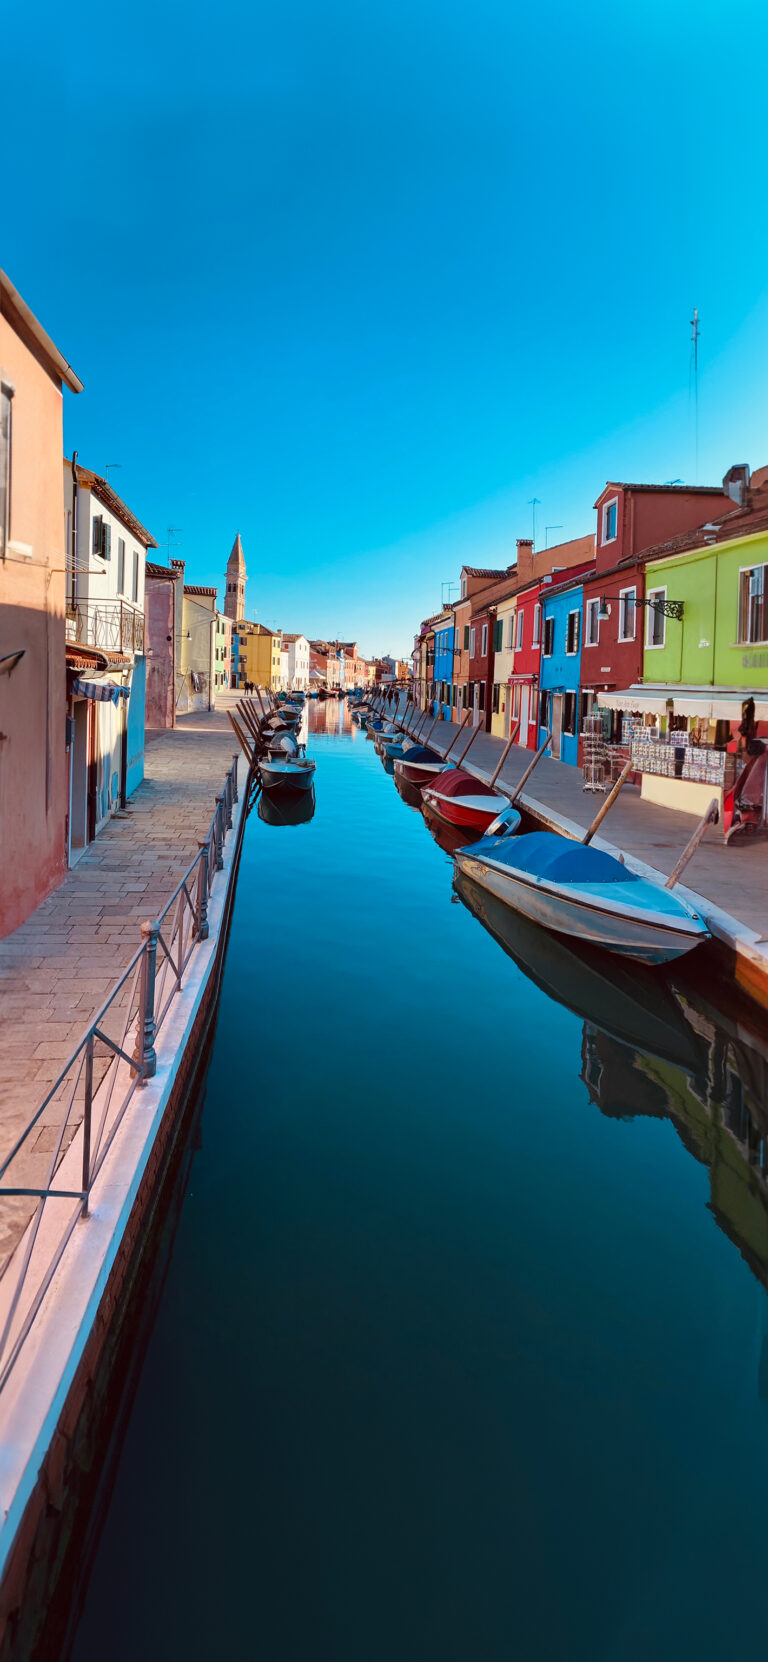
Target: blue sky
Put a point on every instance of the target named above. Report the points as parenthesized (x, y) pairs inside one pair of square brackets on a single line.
[(360, 280)]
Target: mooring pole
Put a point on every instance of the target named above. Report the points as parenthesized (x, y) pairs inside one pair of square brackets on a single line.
[(505, 752), (458, 733), (608, 803), (711, 817), (530, 768)]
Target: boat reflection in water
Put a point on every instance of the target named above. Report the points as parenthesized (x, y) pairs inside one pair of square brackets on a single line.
[(410, 793), (287, 807), (652, 1044), (448, 837)]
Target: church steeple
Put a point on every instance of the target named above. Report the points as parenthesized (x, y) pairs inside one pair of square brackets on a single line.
[(234, 593)]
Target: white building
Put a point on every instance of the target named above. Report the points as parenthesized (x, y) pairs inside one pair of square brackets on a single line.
[(106, 681), (296, 671)]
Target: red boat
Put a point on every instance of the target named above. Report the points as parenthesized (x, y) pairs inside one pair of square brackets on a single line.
[(420, 765), (460, 799)]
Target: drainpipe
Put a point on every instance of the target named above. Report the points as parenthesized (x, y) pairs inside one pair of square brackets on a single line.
[(73, 534)]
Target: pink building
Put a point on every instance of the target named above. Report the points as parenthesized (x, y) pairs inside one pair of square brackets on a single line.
[(34, 772)]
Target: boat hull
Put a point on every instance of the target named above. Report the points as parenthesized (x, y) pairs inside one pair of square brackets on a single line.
[(419, 773), (643, 938), (286, 776), (471, 813)]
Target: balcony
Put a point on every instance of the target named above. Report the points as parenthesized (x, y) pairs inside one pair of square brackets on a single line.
[(113, 625)]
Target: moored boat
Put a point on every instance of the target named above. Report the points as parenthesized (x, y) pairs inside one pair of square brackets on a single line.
[(294, 773), (420, 765), (579, 890), (458, 798)]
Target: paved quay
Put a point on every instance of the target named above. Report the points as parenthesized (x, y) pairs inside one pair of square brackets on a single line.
[(730, 884), (58, 967)]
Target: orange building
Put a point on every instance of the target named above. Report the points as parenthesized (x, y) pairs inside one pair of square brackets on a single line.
[(33, 756)]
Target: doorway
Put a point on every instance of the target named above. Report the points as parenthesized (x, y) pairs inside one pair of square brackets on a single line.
[(557, 725), (78, 780), (522, 737)]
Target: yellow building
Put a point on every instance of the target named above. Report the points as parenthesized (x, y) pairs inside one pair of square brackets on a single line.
[(258, 655)]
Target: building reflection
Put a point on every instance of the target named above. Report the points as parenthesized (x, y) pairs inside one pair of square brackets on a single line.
[(653, 1044)]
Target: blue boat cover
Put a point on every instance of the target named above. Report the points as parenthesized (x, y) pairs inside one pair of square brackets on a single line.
[(422, 753), (545, 854)]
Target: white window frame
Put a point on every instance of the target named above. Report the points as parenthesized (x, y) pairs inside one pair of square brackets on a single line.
[(484, 641), (472, 639), (604, 512), (544, 653), (742, 573), (572, 651), (633, 592), (655, 646), (593, 614), (520, 630), (463, 588), (537, 624)]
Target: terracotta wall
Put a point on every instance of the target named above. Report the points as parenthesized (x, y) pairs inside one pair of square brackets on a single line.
[(33, 756)]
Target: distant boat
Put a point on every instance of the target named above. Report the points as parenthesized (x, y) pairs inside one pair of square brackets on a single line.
[(460, 799), (420, 765), (294, 773), (579, 890)]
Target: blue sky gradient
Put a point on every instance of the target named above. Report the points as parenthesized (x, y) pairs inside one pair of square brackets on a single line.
[(362, 280)]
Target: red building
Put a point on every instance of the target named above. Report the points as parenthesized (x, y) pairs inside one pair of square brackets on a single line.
[(630, 519)]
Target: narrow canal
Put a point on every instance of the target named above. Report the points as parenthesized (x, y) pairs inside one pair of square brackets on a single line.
[(463, 1347)]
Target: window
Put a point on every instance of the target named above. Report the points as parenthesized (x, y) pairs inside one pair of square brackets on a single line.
[(544, 720), (656, 626), (753, 613), (463, 588), (536, 624), (593, 623), (6, 415), (587, 703), (548, 644), (511, 636), (481, 695), (496, 695), (520, 626), (472, 643), (610, 519), (120, 564), (498, 635), (454, 691), (102, 538), (135, 584), (572, 633), (627, 610), (569, 712), (484, 642)]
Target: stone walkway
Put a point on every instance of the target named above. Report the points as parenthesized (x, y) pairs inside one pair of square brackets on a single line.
[(58, 967)]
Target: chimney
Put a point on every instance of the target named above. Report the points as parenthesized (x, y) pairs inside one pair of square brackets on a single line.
[(524, 559), (179, 566), (736, 484)]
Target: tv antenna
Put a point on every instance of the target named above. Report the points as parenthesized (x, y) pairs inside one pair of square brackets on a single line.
[(534, 503), (173, 531), (547, 529), (445, 598), (112, 466), (695, 332)]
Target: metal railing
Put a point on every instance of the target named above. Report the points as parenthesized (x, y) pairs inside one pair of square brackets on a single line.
[(115, 1056), (114, 625)]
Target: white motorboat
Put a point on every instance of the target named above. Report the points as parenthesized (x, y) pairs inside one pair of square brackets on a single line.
[(583, 891)]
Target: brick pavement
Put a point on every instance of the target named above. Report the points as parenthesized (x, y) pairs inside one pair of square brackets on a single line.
[(59, 966)]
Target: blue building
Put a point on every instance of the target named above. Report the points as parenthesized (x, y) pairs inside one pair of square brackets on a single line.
[(560, 683), (442, 674)]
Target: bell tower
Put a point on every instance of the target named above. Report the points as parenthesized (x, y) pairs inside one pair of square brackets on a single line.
[(234, 590)]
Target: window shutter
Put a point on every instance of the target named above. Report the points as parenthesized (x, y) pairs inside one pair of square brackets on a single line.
[(576, 630), (98, 526), (498, 633), (466, 636), (106, 541)]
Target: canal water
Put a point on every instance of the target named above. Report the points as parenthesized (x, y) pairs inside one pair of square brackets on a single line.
[(463, 1347)]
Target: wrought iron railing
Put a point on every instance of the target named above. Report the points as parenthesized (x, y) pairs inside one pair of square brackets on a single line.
[(115, 1056), (114, 625)]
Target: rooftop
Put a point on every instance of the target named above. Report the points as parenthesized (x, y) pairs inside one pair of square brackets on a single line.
[(109, 498), (25, 323)]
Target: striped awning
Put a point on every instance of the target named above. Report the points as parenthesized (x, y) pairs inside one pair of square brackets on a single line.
[(102, 692)]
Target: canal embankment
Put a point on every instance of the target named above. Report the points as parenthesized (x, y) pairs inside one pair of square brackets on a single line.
[(728, 885), (104, 1121)]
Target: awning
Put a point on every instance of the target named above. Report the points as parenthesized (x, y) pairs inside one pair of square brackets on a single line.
[(708, 703), (102, 692), (520, 680)]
